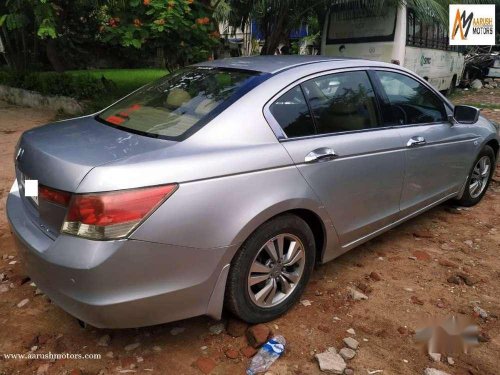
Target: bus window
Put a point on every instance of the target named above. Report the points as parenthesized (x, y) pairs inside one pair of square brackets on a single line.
[(351, 23)]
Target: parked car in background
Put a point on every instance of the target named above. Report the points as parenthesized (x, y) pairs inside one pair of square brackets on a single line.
[(396, 35), (225, 182)]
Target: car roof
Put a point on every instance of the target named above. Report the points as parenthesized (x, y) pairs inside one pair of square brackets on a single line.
[(274, 64)]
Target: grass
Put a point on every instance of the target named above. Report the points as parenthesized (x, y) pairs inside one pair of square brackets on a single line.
[(124, 82)]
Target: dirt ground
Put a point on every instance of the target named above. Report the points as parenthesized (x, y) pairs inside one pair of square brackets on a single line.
[(414, 262)]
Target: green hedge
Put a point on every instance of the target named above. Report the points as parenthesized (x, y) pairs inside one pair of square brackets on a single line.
[(83, 86)]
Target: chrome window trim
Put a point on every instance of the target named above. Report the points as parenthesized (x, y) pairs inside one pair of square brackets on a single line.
[(282, 137)]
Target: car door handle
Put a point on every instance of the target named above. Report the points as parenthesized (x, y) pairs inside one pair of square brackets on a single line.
[(320, 154), (416, 141)]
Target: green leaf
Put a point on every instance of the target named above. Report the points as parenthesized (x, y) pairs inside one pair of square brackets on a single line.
[(2, 19)]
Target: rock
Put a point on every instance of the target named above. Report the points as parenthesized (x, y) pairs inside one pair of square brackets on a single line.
[(416, 301), (483, 337), (23, 302), (43, 369), (347, 353), (469, 281), (232, 353), (375, 276), (447, 263), (469, 243), (476, 84), (402, 330), (140, 359), (177, 331), (423, 234), (351, 343), (348, 371), (356, 295), (157, 348), (19, 280), (422, 255), (110, 355), (38, 292), (13, 262), (453, 210), (4, 288), (305, 302), (454, 279), (450, 361), (433, 371), (3, 277), (248, 351), (217, 329), (364, 288), (205, 364), (133, 346), (351, 331), (324, 328), (43, 339), (330, 361), (436, 357), (236, 327), (257, 335), (104, 340), (480, 312)]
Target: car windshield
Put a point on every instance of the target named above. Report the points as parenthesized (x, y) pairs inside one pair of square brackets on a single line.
[(174, 106)]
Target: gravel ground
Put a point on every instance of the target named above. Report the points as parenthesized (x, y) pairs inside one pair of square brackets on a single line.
[(404, 273)]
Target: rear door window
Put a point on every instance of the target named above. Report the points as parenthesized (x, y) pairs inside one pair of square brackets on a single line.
[(292, 113), (175, 105), (342, 102)]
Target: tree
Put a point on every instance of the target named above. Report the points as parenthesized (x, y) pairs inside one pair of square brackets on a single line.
[(184, 29), (275, 18), (30, 25)]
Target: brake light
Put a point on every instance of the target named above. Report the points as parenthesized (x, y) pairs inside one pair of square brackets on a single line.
[(113, 215), (54, 196)]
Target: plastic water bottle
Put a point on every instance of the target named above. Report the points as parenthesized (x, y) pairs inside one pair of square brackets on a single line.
[(267, 355)]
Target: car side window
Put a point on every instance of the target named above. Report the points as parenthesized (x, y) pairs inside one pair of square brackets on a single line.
[(410, 102), (342, 102), (292, 113)]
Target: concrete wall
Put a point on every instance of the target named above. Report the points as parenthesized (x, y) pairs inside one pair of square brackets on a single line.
[(34, 99)]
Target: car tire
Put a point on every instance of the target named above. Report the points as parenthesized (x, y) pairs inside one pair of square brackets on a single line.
[(471, 197), (247, 301)]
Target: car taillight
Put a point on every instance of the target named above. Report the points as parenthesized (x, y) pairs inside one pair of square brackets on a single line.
[(112, 215), (54, 196)]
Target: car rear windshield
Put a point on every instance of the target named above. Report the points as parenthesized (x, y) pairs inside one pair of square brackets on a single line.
[(176, 105)]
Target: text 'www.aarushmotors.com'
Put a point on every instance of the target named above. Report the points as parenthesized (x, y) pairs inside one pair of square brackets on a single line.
[(49, 356)]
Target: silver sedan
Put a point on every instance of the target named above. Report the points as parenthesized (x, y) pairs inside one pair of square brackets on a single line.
[(223, 184)]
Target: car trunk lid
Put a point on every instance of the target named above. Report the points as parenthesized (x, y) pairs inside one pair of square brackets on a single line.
[(60, 155)]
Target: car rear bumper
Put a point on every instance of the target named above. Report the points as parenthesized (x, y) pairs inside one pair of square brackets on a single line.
[(119, 284)]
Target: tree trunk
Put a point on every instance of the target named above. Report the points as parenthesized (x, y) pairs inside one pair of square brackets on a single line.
[(53, 56)]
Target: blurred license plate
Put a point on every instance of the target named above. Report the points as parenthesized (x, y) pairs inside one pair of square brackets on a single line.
[(32, 199)]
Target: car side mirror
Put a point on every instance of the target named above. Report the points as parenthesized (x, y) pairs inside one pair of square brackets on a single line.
[(465, 114)]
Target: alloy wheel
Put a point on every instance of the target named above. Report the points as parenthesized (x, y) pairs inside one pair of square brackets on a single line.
[(479, 177), (276, 270)]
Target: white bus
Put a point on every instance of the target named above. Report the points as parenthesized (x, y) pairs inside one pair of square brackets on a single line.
[(353, 28)]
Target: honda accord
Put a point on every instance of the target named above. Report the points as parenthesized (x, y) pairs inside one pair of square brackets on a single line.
[(224, 183)]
